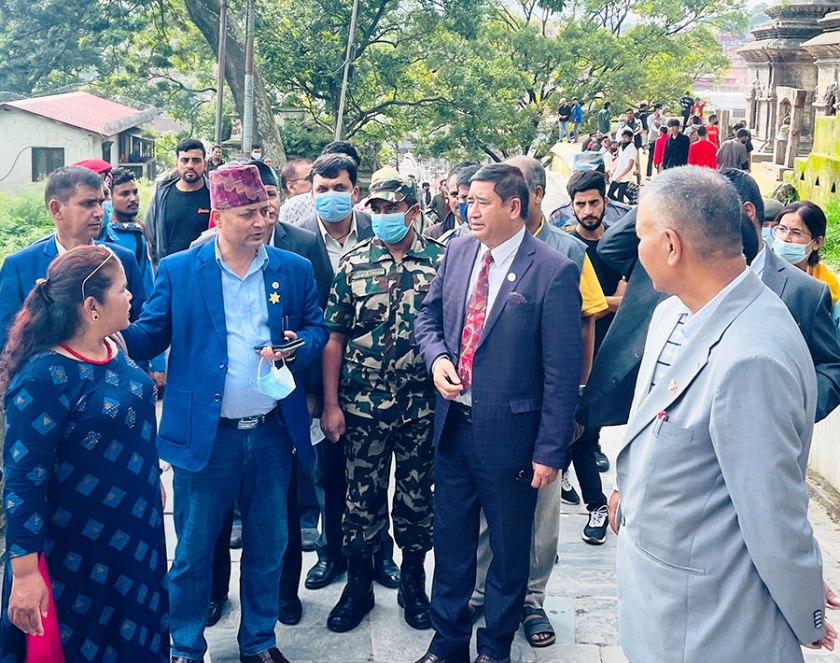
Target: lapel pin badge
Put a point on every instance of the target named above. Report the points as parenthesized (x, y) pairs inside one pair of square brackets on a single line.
[(274, 298), (672, 387), (275, 285), (511, 277)]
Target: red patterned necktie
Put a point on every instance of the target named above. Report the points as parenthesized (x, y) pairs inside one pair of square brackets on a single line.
[(474, 321)]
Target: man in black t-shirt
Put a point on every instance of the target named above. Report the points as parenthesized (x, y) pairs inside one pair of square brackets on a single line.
[(180, 209), (587, 190)]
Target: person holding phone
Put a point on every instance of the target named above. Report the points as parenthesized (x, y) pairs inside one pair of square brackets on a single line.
[(229, 424)]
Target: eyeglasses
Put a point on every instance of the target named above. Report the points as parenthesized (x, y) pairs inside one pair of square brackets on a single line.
[(794, 233), (101, 265)]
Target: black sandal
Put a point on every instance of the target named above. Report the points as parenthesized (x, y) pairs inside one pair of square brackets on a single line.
[(535, 622)]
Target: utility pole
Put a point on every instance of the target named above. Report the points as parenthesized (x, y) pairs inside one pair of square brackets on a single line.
[(248, 111), (220, 83), (348, 60)]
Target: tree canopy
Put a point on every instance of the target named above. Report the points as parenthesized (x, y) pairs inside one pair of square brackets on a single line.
[(457, 78)]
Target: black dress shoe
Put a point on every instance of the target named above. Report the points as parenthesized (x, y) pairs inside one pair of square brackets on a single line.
[(290, 611), (324, 573), (461, 656), (181, 659), (601, 461), (385, 572), (214, 613), (357, 598), (486, 658), (272, 655)]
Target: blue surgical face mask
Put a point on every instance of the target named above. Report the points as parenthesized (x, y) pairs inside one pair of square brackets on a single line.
[(793, 253), (390, 228), (463, 210), (107, 212), (768, 235), (333, 206), (277, 383)]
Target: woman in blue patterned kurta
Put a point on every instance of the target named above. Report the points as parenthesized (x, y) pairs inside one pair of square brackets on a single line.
[(82, 475)]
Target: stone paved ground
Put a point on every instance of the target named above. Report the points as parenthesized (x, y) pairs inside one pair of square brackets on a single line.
[(581, 604)]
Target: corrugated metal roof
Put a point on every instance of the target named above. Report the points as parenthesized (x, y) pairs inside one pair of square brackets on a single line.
[(85, 111)]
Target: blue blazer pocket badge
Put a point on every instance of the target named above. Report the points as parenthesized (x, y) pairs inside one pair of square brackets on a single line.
[(517, 298)]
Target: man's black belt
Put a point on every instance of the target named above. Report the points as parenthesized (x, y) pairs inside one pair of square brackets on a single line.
[(247, 423)]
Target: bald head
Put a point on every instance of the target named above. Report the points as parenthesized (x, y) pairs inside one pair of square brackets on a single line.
[(534, 174)]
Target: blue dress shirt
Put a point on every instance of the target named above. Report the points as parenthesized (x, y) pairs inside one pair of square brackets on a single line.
[(246, 320)]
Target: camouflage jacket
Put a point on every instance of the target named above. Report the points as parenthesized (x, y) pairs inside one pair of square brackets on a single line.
[(373, 302)]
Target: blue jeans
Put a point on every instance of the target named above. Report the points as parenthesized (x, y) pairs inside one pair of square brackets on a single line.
[(252, 467), (564, 130)]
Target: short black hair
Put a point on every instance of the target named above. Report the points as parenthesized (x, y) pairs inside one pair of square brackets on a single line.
[(607, 105), (459, 166), (696, 120), (586, 180), (121, 176), (217, 146), (747, 189), (701, 131), (266, 173), (508, 182), (62, 182), (627, 131), (343, 147), (657, 105), (813, 217), (331, 164), (464, 175), (742, 133), (256, 146), (664, 130), (190, 144), (425, 184), (674, 122)]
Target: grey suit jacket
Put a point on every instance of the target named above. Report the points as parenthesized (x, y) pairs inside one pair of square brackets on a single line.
[(716, 558)]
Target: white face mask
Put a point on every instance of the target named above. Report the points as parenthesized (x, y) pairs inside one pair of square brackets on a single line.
[(256, 156), (278, 383)]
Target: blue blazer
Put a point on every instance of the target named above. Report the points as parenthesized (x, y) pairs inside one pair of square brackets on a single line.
[(527, 366), (21, 269), (186, 313)]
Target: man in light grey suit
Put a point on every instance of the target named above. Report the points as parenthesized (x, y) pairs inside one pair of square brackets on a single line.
[(716, 558)]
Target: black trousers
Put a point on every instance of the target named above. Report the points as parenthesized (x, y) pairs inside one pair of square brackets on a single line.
[(651, 147), (464, 486), (582, 454), (618, 191)]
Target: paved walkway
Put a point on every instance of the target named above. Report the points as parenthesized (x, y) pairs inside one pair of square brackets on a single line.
[(581, 603)]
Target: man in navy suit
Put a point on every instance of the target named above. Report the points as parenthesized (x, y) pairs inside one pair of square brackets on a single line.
[(227, 432), (500, 332), (74, 199)]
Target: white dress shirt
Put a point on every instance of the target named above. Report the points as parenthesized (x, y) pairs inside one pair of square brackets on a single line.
[(758, 263), (334, 249)]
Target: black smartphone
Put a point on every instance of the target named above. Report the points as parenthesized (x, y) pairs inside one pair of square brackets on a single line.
[(525, 476), (285, 347)]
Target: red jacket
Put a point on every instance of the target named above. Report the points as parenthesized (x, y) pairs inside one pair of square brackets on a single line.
[(702, 153), (659, 149)]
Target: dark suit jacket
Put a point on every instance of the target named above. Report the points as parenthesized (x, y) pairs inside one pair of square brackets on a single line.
[(364, 231), (676, 151), (21, 269), (527, 365), (609, 392), (305, 243), (186, 313)]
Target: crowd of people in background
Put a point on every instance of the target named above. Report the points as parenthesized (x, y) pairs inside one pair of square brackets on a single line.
[(305, 336)]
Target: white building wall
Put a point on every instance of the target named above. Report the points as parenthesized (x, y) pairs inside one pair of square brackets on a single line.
[(825, 449), (20, 132)]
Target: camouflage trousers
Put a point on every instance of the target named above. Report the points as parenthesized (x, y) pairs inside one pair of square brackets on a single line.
[(369, 445)]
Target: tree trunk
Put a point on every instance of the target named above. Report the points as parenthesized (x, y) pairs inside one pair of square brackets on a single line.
[(205, 15)]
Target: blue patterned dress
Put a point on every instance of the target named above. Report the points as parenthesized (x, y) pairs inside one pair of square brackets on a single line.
[(83, 487)]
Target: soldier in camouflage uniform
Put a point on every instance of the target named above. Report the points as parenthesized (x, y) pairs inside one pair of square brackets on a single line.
[(379, 399)]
